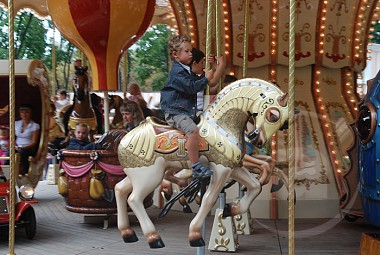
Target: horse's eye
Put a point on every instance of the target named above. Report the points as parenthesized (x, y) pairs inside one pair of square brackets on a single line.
[(272, 115)]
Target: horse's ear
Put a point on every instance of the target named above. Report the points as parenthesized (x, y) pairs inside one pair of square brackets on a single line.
[(283, 100)]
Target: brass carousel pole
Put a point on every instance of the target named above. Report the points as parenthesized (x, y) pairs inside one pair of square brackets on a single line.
[(53, 65), (210, 7), (246, 31), (12, 177), (291, 142), (84, 58), (206, 98), (218, 36), (125, 73)]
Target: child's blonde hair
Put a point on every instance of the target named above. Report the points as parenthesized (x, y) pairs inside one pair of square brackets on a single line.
[(175, 44)]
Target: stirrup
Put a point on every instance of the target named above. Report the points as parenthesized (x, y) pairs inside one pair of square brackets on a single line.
[(200, 171)]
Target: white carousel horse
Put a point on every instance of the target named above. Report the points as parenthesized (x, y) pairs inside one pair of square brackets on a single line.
[(150, 149)]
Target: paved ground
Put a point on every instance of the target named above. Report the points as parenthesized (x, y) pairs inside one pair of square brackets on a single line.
[(61, 232)]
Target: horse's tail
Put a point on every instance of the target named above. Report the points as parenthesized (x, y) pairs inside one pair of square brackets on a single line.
[(99, 120), (284, 179), (66, 118)]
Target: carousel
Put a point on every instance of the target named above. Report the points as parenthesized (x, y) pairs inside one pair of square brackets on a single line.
[(314, 51)]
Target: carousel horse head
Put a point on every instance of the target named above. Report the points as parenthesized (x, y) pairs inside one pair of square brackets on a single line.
[(115, 102), (81, 85), (261, 102), (82, 110), (272, 116)]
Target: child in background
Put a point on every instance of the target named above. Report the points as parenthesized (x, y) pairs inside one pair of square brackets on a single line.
[(81, 141), (197, 67), (179, 98), (4, 145)]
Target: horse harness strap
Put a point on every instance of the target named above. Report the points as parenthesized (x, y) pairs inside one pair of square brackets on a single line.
[(91, 122), (168, 140)]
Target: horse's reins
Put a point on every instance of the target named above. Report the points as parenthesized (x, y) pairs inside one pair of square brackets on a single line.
[(254, 135)]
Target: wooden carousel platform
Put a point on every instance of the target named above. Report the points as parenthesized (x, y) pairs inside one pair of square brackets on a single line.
[(61, 232)]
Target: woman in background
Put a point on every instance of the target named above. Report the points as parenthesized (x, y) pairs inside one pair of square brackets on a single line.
[(27, 133), (132, 115)]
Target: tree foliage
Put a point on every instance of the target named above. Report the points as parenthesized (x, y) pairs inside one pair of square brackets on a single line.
[(375, 33), (32, 42), (29, 35), (147, 63), (149, 58)]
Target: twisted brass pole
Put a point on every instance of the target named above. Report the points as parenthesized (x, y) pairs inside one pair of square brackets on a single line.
[(246, 31), (53, 65), (209, 31), (12, 177), (125, 73), (291, 149), (218, 36)]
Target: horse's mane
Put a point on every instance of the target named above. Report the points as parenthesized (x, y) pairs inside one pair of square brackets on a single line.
[(243, 87), (81, 70), (266, 85)]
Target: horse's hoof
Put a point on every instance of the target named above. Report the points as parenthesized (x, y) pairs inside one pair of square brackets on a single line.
[(156, 244), (187, 209), (197, 243), (227, 211), (129, 237), (167, 196)]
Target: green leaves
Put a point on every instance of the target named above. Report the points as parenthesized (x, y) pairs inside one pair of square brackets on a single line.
[(149, 58), (375, 33)]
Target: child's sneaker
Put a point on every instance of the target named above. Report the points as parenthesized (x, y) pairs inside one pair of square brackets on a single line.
[(200, 171)]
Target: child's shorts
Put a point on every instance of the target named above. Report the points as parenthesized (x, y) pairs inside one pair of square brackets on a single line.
[(181, 122)]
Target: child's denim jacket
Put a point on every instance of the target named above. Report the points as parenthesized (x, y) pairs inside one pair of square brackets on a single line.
[(179, 95)]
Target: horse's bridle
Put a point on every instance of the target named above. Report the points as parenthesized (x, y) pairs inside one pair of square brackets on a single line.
[(79, 71), (254, 135)]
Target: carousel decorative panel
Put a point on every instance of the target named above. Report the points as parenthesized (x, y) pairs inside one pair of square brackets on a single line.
[(337, 42), (312, 159), (306, 17), (259, 32)]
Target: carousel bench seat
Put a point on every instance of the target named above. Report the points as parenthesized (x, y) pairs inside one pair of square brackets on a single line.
[(88, 177)]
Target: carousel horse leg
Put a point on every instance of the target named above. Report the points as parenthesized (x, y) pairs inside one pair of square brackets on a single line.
[(122, 190), (176, 176), (194, 184), (218, 179), (185, 206), (166, 189), (244, 177), (262, 163), (142, 187)]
